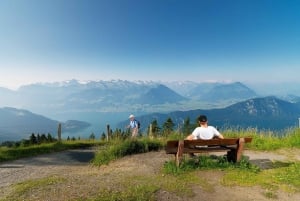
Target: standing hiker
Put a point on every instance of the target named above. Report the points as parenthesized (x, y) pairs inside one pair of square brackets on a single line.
[(134, 126)]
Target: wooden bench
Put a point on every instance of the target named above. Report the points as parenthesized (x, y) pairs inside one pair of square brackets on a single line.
[(233, 146)]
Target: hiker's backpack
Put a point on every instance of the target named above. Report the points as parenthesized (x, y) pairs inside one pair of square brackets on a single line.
[(138, 123)]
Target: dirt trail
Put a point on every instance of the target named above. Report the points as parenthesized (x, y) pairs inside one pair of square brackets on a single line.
[(84, 180)]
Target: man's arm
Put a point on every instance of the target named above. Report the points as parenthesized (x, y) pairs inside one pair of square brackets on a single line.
[(221, 136), (190, 137)]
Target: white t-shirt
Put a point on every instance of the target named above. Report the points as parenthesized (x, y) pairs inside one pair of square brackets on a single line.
[(133, 124), (205, 133)]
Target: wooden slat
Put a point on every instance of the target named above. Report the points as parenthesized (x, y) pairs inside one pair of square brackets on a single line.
[(228, 141), (222, 142), (172, 147), (172, 143), (207, 149), (248, 139)]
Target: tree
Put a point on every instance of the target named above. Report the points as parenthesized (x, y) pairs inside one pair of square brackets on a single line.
[(155, 128), (43, 138), (117, 134), (168, 127), (92, 136), (33, 139), (103, 136), (25, 143), (50, 138), (187, 127), (38, 139)]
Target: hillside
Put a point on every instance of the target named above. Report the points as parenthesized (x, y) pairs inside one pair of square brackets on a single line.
[(110, 102), (262, 113), (17, 124)]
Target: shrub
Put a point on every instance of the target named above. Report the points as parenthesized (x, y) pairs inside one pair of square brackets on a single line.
[(207, 162), (118, 149)]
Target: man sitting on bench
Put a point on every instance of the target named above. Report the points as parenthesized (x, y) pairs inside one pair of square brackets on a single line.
[(204, 131)]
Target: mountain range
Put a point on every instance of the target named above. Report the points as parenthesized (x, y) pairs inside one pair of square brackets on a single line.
[(119, 96), (98, 103), (268, 113)]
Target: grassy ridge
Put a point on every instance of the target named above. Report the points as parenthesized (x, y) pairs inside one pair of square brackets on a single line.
[(268, 141), (283, 176)]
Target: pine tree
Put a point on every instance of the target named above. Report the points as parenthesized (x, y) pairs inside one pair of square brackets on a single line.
[(33, 139), (168, 127)]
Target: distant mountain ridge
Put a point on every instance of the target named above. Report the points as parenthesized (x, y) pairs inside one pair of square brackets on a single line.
[(118, 95), (17, 124), (262, 113), (231, 91), (109, 102)]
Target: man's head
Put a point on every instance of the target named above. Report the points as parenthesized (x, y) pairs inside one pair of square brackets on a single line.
[(202, 119)]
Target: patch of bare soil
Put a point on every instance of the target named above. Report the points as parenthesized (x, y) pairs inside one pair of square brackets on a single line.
[(81, 180)]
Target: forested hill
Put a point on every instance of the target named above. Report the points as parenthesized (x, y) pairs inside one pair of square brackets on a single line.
[(262, 113)]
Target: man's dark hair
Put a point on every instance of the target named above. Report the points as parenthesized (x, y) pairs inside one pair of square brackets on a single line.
[(202, 118)]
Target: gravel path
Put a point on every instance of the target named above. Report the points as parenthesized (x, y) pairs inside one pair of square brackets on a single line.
[(42, 166), (82, 179)]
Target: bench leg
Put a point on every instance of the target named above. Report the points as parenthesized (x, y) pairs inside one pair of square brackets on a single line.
[(179, 152), (240, 149), (235, 155), (231, 155)]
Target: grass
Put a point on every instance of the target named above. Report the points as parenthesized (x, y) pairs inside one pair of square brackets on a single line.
[(25, 189), (282, 176), (7, 154), (205, 162), (268, 140), (118, 149), (144, 188), (141, 191)]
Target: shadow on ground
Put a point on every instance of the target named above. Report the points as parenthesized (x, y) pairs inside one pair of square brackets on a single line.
[(268, 164), (81, 156)]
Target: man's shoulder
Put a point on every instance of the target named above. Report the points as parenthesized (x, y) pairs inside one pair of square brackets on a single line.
[(211, 127)]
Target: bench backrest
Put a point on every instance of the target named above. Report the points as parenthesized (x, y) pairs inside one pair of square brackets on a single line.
[(221, 142), (172, 145)]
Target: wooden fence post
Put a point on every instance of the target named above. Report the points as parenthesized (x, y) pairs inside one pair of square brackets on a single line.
[(107, 132), (59, 132), (150, 131)]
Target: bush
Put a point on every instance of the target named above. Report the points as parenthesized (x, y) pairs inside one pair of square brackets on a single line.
[(118, 149), (207, 162)]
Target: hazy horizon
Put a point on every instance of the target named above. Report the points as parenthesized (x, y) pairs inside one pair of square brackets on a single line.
[(251, 41)]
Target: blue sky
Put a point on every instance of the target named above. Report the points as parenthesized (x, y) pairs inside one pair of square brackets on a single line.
[(252, 41)]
